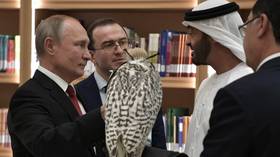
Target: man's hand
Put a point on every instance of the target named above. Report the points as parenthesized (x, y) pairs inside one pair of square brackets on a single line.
[(103, 111)]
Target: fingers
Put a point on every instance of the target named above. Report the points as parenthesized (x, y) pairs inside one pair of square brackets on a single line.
[(103, 111)]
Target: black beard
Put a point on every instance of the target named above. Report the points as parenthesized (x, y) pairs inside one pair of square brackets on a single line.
[(200, 52)]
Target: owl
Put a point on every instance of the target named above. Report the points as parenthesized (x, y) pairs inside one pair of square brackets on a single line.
[(134, 97)]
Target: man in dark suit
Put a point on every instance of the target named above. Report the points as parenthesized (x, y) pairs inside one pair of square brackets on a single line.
[(246, 114), (107, 41), (45, 118)]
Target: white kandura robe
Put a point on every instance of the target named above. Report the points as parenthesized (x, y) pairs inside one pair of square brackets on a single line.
[(199, 124)]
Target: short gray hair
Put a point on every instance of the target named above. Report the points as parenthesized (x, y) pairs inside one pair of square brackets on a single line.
[(50, 27)]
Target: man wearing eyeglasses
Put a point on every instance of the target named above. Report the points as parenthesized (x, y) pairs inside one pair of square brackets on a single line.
[(108, 40), (216, 41), (245, 118)]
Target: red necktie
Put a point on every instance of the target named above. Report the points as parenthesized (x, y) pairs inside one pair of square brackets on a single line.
[(74, 99)]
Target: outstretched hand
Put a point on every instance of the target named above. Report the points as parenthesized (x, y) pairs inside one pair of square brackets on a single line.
[(103, 111)]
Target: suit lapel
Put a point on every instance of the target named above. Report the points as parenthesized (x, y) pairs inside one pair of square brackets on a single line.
[(57, 94), (65, 103), (88, 93), (95, 94)]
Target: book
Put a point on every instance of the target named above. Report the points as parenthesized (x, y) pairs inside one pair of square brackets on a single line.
[(133, 37), (1, 53), (172, 125), (11, 54), (180, 134), (5, 140), (153, 48), (5, 52), (17, 54)]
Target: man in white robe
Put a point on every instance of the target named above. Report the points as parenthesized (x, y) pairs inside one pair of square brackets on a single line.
[(216, 41)]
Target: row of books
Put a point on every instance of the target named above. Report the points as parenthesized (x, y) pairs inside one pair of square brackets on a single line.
[(5, 140), (174, 57), (9, 53), (176, 123)]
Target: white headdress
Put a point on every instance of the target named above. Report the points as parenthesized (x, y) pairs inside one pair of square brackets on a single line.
[(220, 20)]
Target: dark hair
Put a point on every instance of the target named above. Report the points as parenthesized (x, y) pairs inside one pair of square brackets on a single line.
[(272, 11), (96, 23)]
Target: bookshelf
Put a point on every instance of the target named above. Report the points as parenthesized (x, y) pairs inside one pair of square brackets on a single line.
[(9, 82), (10, 17), (9, 13), (17, 17), (159, 14)]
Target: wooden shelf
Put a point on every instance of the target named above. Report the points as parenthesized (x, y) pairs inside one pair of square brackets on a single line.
[(9, 4), (5, 152), (178, 82), (127, 4), (9, 78), (116, 4)]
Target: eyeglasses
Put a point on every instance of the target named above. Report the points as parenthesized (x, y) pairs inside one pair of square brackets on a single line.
[(111, 44), (242, 28)]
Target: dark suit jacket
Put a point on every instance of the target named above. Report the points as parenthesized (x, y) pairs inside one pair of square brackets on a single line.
[(88, 92), (43, 122), (246, 114)]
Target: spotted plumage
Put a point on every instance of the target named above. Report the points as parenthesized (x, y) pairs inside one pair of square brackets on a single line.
[(134, 97)]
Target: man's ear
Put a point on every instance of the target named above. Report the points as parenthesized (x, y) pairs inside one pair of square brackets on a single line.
[(263, 25), (49, 45)]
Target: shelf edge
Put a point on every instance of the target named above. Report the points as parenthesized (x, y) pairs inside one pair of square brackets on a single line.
[(178, 82), (116, 4), (9, 78), (9, 4)]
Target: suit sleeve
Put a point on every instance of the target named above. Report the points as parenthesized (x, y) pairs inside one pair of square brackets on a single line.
[(158, 135), (229, 128), (48, 134)]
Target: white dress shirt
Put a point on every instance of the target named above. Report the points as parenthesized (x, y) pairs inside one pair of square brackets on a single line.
[(101, 84), (60, 82), (199, 124)]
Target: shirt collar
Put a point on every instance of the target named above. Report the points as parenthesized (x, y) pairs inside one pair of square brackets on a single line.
[(101, 82), (58, 80), (267, 59)]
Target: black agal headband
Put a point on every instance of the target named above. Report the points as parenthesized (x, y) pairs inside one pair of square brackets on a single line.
[(211, 13)]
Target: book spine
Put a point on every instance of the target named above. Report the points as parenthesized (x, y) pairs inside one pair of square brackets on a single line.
[(5, 52), (163, 47), (180, 134), (153, 48), (1, 53), (11, 55)]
